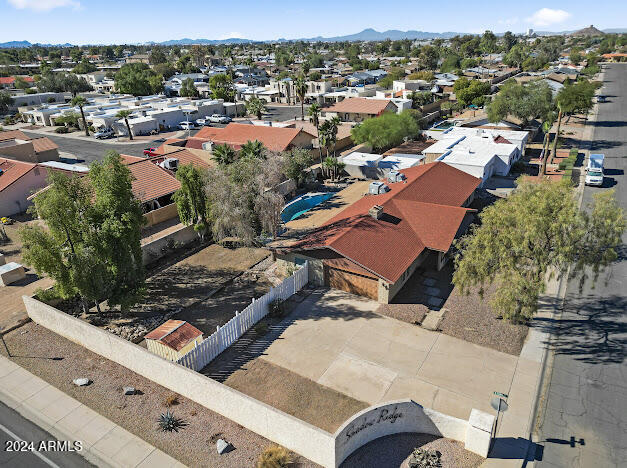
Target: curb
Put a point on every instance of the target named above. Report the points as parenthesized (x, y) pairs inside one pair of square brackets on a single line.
[(19, 399)]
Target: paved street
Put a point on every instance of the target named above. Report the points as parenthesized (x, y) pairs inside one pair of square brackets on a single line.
[(92, 150), (14, 427), (585, 419)]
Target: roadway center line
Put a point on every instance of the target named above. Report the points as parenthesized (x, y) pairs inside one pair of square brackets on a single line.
[(46, 460)]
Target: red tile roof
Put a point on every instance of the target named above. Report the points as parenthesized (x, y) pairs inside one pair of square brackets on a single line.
[(184, 156), (13, 170), (235, 135), (359, 105), (500, 139), (425, 211), (11, 79), (151, 181), (175, 334), (43, 144), (13, 135)]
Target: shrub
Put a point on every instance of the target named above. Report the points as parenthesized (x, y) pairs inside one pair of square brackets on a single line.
[(168, 422), (62, 130), (261, 328), (277, 309), (274, 457), (421, 458), (171, 400)]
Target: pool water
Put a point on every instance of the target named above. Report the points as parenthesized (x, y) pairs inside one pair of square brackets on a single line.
[(302, 205), (443, 125)]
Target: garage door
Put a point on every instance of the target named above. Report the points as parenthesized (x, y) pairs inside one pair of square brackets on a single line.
[(352, 283)]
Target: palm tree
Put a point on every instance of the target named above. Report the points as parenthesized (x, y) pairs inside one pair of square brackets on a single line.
[(300, 88), (334, 124), (253, 149), (333, 166), (547, 123), (124, 114), (223, 154), (256, 106), (314, 114), (80, 101)]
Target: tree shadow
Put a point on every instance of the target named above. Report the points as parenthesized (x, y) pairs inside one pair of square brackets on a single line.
[(604, 144), (591, 330), (609, 123)]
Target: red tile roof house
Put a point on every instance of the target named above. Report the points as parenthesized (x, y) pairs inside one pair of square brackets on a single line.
[(9, 81), (273, 138), (16, 145), (358, 109), (373, 246), (17, 180)]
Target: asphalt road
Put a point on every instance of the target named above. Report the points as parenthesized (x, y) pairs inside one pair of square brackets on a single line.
[(92, 150), (585, 420), (13, 427), (283, 113)]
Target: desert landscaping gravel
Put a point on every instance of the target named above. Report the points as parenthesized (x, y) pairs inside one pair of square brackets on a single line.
[(58, 361), (394, 452)]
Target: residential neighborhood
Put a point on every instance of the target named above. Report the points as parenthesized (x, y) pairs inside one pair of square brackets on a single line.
[(300, 246)]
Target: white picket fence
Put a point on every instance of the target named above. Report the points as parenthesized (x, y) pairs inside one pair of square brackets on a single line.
[(230, 332)]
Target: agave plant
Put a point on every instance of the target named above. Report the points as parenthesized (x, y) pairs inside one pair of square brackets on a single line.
[(168, 422), (421, 458)]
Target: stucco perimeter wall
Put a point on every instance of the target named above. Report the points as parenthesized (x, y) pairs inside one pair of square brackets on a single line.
[(394, 418), (157, 248), (288, 431)]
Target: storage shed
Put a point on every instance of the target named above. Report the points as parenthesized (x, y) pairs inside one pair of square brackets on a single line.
[(173, 339)]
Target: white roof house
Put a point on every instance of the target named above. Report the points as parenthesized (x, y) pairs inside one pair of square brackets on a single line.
[(516, 137), (479, 163), (400, 161), (362, 159)]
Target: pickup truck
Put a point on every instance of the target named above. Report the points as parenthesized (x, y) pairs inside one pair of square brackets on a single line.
[(217, 118), (104, 133)]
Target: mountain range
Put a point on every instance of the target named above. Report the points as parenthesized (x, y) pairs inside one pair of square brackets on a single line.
[(365, 35)]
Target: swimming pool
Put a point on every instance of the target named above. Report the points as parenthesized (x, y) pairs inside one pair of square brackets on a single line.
[(443, 125), (303, 204)]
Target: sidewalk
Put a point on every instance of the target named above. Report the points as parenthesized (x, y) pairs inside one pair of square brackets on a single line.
[(104, 443)]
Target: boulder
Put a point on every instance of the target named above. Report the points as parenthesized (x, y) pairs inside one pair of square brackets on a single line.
[(128, 390), (223, 446), (81, 382)]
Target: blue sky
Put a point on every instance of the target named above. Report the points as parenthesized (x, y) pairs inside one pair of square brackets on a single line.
[(131, 21)]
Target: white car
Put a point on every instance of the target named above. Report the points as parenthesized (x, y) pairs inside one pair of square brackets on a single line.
[(202, 122), (104, 133), (217, 118), (594, 177), (187, 125)]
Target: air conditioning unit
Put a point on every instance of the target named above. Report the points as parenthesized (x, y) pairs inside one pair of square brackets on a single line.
[(395, 176), (376, 188), (171, 164)]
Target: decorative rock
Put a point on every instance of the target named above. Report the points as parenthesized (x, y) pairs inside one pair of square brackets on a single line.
[(223, 446), (81, 382), (129, 390)]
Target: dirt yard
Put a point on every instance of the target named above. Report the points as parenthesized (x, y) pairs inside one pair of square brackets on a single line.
[(59, 361), (469, 318)]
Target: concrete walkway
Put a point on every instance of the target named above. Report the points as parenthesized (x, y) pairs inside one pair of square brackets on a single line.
[(104, 443)]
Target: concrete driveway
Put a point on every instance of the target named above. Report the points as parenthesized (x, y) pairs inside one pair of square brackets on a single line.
[(337, 340)]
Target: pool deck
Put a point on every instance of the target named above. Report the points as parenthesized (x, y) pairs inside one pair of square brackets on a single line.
[(323, 212)]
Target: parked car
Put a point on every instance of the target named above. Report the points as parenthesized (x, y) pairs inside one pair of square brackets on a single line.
[(218, 118), (601, 98), (594, 170), (202, 122), (150, 152), (104, 133), (187, 125)]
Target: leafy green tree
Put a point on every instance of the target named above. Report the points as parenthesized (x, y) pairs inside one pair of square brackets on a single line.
[(80, 102), (394, 74), (570, 99), (5, 101), (165, 70), (535, 233), (297, 161), (516, 56), (125, 114), (450, 63), (85, 66), (428, 58), (156, 84), (134, 78), (488, 42), (420, 98), (221, 86), (157, 56), (425, 75), (509, 40), (524, 101), (256, 106), (466, 91), (223, 154), (191, 199), (253, 149), (91, 242), (468, 63), (188, 89), (21, 83), (386, 131), (59, 83)]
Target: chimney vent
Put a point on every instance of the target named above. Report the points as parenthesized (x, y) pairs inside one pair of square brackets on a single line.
[(376, 211)]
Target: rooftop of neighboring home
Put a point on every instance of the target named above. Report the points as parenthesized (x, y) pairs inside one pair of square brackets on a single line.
[(410, 147), (150, 180), (12, 170), (236, 135), (425, 211), (358, 105), (449, 136), (9, 80)]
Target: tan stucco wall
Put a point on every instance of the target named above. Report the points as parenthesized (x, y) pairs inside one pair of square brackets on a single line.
[(316, 267), (387, 291), (161, 214)]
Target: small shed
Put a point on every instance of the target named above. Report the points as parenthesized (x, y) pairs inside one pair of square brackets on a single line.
[(173, 339)]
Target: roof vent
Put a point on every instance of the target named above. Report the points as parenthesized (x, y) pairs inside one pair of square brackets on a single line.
[(376, 211)]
